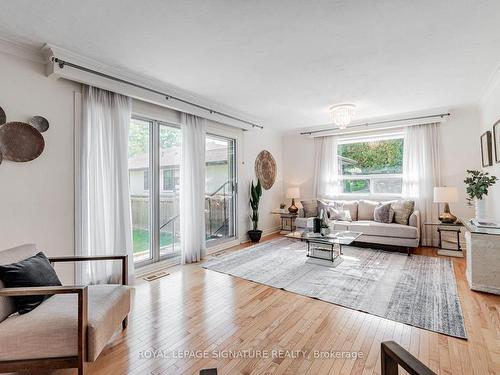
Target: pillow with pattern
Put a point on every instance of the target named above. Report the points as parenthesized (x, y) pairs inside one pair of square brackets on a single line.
[(382, 213), (402, 211), (336, 214), (310, 208)]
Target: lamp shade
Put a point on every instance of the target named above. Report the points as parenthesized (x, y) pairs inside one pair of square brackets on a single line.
[(444, 194), (293, 192)]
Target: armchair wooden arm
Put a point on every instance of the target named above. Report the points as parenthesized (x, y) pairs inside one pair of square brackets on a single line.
[(394, 355), (82, 292), (79, 258), (41, 291)]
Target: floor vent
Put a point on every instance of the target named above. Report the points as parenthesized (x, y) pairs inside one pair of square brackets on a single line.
[(155, 276)]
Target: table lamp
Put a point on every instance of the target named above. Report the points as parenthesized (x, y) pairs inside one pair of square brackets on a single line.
[(293, 192), (444, 194)]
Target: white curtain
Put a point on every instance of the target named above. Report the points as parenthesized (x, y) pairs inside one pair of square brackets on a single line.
[(421, 173), (192, 190), (103, 213), (327, 182)]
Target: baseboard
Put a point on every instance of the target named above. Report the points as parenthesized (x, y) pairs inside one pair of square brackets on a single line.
[(223, 246), (154, 267)]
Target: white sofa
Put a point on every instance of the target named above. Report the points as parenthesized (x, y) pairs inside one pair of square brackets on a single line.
[(393, 234)]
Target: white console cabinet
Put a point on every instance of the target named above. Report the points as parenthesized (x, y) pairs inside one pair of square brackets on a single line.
[(483, 258)]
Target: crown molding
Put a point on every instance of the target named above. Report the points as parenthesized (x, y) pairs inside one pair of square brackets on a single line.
[(22, 50), (50, 51)]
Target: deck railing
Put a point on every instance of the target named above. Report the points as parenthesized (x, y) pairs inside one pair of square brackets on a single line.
[(218, 208)]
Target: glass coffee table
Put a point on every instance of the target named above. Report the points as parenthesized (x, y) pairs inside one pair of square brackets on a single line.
[(325, 247)]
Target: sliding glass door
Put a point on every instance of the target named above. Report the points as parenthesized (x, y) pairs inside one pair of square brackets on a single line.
[(154, 179), (139, 170), (154, 174), (168, 188), (220, 183)]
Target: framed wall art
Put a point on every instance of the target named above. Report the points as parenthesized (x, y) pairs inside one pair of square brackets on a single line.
[(486, 152), (496, 141)]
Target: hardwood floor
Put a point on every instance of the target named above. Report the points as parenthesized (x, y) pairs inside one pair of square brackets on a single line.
[(195, 309)]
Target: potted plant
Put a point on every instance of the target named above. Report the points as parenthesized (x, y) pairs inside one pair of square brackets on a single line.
[(282, 207), (477, 187), (255, 194)]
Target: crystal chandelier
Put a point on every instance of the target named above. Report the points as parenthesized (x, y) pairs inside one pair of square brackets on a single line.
[(342, 114)]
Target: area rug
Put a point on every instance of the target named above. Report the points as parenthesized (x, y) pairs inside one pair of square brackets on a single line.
[(418, 290)]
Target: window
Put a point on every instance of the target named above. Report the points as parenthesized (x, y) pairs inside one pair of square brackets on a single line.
[(371, 166), (170, 179)]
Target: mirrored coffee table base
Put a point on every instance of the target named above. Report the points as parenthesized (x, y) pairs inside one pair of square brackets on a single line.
[(325, 247)]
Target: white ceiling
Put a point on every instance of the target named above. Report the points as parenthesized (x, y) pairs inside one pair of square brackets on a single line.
[(284, 61)]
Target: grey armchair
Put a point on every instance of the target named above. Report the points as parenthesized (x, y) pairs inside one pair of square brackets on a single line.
[(68, 329)]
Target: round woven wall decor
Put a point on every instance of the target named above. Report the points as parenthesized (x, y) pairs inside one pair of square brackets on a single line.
[(265, 169)]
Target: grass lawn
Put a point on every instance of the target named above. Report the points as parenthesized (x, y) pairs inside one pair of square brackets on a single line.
[(141, 239)]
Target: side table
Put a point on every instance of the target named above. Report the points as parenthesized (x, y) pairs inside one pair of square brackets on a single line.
[(453, 228), (287, 221)]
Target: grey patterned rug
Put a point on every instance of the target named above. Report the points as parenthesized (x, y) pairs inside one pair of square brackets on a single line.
[(417, 290)]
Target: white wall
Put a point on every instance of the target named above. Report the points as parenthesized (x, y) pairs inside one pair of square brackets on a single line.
[(253, 142), (458, 152), (489, 114), (36, 198)]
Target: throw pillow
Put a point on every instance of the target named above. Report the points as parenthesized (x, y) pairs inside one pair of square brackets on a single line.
[(382, 213), (402, 211), (335, 214), (352, 206), (323, 206), (34, 271), (310, 208), (391, 215), (366, 209)]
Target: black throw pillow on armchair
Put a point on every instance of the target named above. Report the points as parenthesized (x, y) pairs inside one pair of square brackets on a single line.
[(34, 271)]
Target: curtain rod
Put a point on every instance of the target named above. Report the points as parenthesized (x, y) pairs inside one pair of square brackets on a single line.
[(442, 115), (63, 63)]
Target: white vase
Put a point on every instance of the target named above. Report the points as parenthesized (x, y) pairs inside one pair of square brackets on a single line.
[(480, 206)]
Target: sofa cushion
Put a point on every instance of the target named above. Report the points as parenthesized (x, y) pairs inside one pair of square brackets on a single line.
[(31, 272), (51, 329), (373, 228), (341, 225), (366, 209), (310, 208), (402, 211), (8, 256)]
